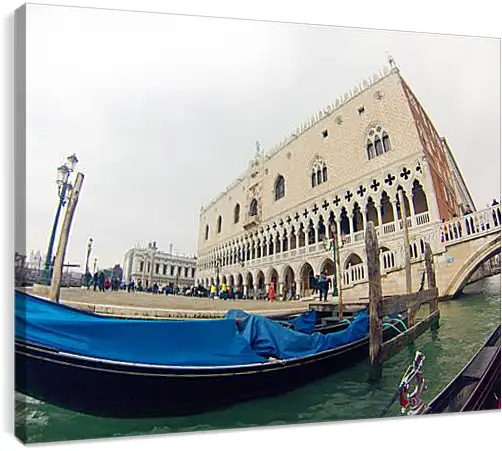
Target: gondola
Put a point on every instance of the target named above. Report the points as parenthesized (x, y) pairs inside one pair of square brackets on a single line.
[(476, 386), (99, 380)]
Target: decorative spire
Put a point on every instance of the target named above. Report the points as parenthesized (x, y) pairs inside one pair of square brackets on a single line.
[(392, 62)]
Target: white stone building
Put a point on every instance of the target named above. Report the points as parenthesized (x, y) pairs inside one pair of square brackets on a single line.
[(344, 166), (150, 265)]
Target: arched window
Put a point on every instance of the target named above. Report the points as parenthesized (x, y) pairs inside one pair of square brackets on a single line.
[(370, 149), (279, 188), (386, 142), (378, 146), (207, 232), (219, 224), (319, 171), (377, 142), (237, 213), (253, 210)]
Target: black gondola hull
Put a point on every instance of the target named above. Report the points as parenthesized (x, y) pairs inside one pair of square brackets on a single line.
[(476, 386), (117, 389)]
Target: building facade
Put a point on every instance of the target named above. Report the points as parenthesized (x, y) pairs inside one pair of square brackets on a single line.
[(344, 167), (150, 265)]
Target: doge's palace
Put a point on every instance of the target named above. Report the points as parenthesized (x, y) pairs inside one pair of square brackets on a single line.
[(344, 166)]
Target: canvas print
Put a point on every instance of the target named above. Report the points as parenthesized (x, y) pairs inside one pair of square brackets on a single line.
[(226, 223)]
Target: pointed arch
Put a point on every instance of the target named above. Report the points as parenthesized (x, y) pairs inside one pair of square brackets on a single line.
[(279, 187), (237, 213), (253, 208)]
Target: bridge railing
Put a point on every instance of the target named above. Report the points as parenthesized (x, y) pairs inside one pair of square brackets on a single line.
[(477, 223)]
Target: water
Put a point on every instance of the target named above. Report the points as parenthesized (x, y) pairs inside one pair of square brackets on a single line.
[(465, 325)]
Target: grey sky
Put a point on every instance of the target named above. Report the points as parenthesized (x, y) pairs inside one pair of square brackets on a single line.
[(163, 111)]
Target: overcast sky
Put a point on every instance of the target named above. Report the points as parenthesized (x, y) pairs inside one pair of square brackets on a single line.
[(163, 111)]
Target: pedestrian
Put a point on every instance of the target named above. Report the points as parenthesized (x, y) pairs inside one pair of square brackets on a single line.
[(212, 291), (95, 280), (271, 292), (323, 286), (223, 291), (315, 284), (101, 281)]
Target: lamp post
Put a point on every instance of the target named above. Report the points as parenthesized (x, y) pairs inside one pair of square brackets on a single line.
[(86, 272), (89, 249), (94, 267), (218, 264), (64, 187), (333, 244)]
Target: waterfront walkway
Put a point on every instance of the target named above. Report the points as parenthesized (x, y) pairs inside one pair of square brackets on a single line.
[(148, 305)]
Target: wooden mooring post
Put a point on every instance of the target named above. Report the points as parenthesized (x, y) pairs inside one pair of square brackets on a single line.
[(63, 239), (380, 306)]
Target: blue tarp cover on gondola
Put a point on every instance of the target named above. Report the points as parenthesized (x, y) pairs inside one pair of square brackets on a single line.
[(304, 322), (185, 343), (251, 339), (270, 339)]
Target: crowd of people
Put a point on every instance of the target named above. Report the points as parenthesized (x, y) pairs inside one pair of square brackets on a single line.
[(99, 282)]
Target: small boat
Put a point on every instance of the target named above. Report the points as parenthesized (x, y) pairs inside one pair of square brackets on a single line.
[(148, 368), (476, 386)]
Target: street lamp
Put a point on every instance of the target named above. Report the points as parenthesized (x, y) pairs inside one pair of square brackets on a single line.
[(89, 249), (218, 264), (333, 244), (94, 267), (64, 187)]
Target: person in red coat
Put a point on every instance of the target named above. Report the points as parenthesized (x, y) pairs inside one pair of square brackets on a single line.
[(271, 292)]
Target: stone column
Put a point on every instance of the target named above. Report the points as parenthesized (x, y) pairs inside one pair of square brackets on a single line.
[(412, 208), (379, 215), (394, 211)]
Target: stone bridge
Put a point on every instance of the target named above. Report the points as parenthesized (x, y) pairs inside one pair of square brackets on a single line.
[(460, 248)]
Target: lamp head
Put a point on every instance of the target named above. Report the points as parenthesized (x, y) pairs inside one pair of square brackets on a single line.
[(63, 173), (72, 161)]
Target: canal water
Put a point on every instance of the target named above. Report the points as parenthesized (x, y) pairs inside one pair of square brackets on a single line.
[(465, 325)]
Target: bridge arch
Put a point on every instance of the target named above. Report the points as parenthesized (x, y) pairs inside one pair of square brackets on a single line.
[(484, 253)]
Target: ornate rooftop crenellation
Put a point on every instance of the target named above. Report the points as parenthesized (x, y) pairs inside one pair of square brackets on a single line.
[(327, 111)]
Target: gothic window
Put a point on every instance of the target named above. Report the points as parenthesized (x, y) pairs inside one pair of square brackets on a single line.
[(253, 210), (237, 213), (207, 232), (386, 142), (319, 172), (219, 224), (377, 142), (279, 188), (370, 149)]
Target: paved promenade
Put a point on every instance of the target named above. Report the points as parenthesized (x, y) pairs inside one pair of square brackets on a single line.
[(161, 306)]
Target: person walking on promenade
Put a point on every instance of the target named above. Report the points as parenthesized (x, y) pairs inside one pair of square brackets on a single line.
[(95, 280), (323, 286), (315, 284), (212, 291), (88, 280), (271, 292), (101, 281), (223, 293)]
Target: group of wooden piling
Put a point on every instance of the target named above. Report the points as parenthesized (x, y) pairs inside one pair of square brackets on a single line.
[(381, 306)]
